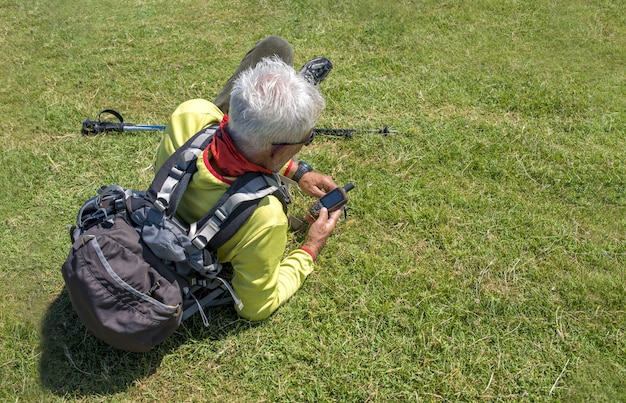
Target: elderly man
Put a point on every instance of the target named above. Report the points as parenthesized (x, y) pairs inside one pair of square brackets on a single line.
[(267, 113)]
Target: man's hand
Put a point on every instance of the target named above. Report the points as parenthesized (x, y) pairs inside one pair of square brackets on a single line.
[(320, 231), (316, 185)]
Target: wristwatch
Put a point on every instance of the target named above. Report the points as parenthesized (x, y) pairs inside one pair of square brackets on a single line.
[(303, 168)]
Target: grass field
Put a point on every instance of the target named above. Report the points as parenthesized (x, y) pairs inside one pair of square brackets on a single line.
[(484, 254)]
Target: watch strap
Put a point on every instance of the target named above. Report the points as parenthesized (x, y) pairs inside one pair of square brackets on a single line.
[(303, 168)]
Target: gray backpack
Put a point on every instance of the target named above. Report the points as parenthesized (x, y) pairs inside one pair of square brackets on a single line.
[(135, 272)]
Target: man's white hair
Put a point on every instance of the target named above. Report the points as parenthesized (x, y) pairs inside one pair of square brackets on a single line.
[(271, 103)]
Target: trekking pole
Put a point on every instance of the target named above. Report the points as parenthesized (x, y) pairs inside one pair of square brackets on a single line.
[(93, 127)]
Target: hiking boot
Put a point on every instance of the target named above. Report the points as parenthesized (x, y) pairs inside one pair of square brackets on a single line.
[(316, 70)]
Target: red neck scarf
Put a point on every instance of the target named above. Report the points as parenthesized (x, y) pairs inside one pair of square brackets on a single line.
[(228, 159)]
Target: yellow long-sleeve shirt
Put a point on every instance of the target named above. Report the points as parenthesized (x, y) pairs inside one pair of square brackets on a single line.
[(263, 279)]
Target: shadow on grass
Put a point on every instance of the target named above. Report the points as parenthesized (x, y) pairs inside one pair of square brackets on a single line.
[(75, 363)]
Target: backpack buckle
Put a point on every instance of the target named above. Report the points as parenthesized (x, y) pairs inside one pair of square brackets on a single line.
[(199, 242), (160, 204)]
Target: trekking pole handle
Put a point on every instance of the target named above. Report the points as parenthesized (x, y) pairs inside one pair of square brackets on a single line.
[(93, 127)]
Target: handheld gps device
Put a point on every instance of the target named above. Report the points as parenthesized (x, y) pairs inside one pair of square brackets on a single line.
[(333, 200)]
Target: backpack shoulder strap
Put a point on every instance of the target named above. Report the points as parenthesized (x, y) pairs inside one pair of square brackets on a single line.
[(235, 207), (174, 175)]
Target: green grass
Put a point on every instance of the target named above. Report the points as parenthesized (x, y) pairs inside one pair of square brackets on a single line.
[(484, 253)]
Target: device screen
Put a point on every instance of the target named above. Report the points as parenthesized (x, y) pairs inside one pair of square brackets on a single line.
[(332, 198)]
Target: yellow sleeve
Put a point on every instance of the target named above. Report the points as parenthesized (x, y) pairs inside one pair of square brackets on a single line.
[(263, 279)]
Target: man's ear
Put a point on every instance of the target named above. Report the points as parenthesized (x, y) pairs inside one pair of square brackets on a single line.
[(279, 155), (277, 150)]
